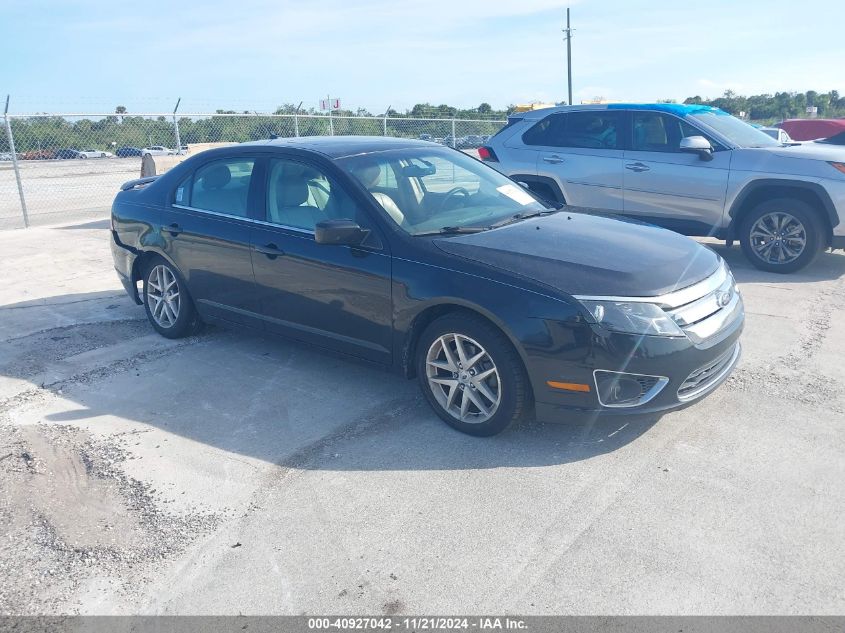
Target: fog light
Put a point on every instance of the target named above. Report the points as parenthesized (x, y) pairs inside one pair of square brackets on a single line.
[(620, 389)]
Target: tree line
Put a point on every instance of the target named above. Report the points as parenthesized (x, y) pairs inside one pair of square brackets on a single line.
[(768, 108), (39, 135)]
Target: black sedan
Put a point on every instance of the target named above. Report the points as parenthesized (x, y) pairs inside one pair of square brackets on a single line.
[(423, 259), (126, 152), (66, 154)]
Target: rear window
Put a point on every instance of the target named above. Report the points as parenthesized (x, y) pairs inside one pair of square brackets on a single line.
[(512, 120), (221, 186), (591, 129)]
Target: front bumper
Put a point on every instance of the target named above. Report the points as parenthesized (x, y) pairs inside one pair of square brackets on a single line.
[(678, 359)]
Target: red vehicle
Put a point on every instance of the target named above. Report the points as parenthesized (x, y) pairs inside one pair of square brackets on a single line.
[(811, 129), (37, 154)]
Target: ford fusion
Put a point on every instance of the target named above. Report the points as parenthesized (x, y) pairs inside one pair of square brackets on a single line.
[(421, 259)]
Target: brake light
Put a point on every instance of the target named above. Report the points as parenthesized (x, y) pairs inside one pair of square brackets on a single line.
[(486, 153)]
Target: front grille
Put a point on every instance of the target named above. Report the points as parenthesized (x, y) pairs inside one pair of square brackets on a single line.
[(703, 378), (706, 308)]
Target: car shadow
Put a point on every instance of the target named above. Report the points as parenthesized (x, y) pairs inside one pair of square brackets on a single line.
[(278, 401)]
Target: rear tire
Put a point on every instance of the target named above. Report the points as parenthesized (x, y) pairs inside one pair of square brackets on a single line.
[(167, 303), (782, 235), (471, 375)]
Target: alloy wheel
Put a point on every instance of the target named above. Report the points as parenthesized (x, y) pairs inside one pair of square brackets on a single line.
[(163, 296), (778, 238), (463, 378)]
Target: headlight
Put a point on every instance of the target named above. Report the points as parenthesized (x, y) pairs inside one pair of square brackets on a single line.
[(632, 318)]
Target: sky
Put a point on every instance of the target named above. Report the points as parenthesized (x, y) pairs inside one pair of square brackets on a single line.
[(89, 56)]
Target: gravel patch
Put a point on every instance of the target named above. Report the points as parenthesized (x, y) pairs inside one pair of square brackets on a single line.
[(68, 512)]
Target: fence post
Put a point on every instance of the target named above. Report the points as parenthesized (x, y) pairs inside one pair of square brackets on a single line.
[(296, 119), (454, 142), (386, 112), (176, 127), (15, 164)]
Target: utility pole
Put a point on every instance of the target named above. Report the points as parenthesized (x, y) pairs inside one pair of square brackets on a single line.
[(568, 36)]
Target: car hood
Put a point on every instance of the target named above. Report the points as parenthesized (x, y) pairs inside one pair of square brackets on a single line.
[(812, 151), (583, 253), (806, 159)]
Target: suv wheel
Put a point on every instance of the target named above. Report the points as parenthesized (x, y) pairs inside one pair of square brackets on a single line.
[(782, 235), (169, 308), (471, 375)]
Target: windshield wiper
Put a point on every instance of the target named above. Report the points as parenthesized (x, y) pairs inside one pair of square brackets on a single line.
[(522, 216), (455, 230)]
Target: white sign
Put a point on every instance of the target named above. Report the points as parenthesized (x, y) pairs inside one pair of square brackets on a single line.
[(516, 194), (812, 110), (329, 104)]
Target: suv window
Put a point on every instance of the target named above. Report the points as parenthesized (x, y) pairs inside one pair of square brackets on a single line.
[(299, 196), (591, 129), (221, 186), (652, 133), (657, 132)]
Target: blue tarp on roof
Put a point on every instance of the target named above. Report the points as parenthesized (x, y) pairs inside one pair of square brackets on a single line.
[(679, 109)]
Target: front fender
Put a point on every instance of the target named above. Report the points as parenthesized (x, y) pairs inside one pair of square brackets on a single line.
[(421, 292)]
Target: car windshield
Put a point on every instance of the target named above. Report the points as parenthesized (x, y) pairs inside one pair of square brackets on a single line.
[(428, 191), (739, 132)]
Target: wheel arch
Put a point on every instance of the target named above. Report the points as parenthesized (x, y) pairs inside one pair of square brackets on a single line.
[(434, 311), (545, 181), (140, 263), (759, 191)]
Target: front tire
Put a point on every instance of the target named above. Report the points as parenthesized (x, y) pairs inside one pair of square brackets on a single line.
[(167, 303), (782, 235), (471, 375)]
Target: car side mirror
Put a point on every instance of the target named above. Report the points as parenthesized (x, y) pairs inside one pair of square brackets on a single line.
[(342, 232), (697, 145)]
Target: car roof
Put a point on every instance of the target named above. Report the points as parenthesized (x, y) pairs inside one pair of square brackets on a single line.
[(340, 146), (678, 109)]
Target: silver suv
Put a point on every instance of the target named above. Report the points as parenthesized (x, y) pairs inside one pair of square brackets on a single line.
[(693, 169)]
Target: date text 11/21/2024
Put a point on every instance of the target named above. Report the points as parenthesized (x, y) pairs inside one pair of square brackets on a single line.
[(420, 623)]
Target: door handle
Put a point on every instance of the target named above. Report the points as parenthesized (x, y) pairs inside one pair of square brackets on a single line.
[(554, 160), (270, 250), (174, 229), (637, 167)]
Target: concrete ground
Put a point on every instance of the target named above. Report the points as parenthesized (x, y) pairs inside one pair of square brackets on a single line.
[(229, 473)]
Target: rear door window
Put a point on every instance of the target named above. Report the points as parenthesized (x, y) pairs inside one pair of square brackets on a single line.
[(221, 186), (590, 129)]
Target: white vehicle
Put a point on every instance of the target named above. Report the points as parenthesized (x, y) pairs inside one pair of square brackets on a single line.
[(157, 150), (94, 153), (778, 134)]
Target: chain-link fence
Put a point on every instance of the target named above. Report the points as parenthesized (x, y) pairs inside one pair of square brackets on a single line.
[(62, 167)]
